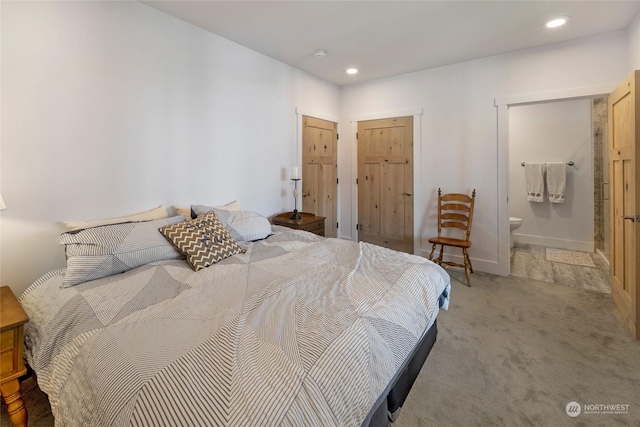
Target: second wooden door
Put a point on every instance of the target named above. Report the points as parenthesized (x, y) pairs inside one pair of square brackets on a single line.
[(385, 183)]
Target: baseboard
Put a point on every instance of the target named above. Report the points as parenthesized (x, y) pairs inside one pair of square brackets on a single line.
[(574, 245), (603, 256), (482, 265)]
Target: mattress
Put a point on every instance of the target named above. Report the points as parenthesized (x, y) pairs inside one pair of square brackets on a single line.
[(298, 330)]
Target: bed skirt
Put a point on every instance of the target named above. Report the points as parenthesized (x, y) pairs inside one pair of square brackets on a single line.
[(388, 406)]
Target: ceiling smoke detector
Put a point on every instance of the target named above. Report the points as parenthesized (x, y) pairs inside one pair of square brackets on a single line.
[(320, 53)]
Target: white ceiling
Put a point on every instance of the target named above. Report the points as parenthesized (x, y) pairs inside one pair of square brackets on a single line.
[(386, 38)]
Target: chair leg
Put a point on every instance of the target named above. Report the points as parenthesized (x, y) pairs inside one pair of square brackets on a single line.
[(467, 266), (440, 256), (433, 249)]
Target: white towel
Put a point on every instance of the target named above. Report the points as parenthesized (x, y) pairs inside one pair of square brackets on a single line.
[(556, 181), (534, 181)]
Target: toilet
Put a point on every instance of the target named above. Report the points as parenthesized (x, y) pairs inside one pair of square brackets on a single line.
[(514, 224)]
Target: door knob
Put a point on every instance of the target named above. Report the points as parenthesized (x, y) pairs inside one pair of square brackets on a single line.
[(407, 194), (633, 218)]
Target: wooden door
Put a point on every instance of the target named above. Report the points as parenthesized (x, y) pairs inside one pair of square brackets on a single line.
[(624, 138), (320, 171), (385, 183)]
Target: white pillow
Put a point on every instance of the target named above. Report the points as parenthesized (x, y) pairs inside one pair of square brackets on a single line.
[(196, 210), (244, 226), (157, 213)]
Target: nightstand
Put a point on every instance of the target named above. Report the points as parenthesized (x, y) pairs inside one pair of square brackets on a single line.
[(12, 319), (308, 222)]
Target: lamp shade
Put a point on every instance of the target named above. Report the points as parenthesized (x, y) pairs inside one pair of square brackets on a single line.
[(2, 205)]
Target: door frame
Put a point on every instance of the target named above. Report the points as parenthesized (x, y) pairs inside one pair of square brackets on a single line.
[(301, 111), (417, 168), (502, 112)]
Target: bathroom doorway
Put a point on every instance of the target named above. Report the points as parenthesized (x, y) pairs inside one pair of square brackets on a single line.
[(572, 131), (505, 108), (558, 131)]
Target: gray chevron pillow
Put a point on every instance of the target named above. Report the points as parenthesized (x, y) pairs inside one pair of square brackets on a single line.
[(203, 240), (102, 251)]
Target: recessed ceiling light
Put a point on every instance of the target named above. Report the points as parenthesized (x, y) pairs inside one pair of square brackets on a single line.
[(557, 22), (352, 70)]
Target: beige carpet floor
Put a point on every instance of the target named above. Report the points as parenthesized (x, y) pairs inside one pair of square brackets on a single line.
[(515, 351), (510, 352)]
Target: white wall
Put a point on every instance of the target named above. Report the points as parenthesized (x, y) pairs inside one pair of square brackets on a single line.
[(634, 44), (110, 108), (553, 132), (459, 142)]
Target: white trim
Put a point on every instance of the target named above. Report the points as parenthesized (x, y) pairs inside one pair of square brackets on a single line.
[(417, 182), (483, 265), (580, 92), (504, 252), (354, 187), (301, 111), (602, 255), (502, 105), (388, 115), (574, 245), (416, 113)]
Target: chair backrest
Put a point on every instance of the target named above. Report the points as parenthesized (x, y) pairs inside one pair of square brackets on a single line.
[(455, 210)]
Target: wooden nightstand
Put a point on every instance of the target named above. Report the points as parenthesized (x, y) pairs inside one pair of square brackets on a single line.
[(309, 222), (12, 319)]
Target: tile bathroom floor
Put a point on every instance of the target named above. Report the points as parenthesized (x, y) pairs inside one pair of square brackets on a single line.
[(530, 261)]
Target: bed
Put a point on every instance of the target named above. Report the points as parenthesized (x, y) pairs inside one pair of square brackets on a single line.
[(294, 329)]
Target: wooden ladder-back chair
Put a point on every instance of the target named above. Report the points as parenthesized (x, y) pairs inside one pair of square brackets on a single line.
[(454, 211)]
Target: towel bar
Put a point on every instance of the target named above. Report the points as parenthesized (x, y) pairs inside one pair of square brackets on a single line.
[(569, 163)]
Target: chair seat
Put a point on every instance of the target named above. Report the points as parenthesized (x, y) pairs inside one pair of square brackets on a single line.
[(448, 241)]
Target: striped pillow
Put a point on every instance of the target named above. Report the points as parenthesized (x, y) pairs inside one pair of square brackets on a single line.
[(111, 249), (203, 240), (244, 226)]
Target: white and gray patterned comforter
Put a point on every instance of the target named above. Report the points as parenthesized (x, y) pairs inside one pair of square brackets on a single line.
[(299, 330)]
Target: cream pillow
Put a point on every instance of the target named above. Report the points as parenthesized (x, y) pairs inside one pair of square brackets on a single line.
[(157, 213), (231, 206), (184, 211)]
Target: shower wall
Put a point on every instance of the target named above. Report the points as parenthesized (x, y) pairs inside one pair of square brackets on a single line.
[(600, 175)]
